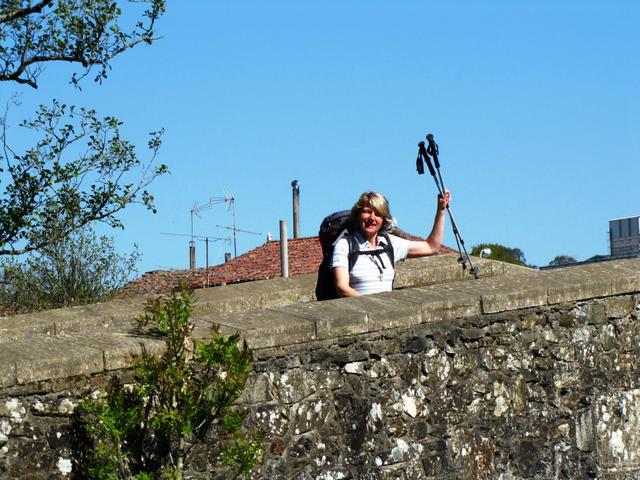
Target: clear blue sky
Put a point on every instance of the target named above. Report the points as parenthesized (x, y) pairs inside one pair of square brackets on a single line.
[(535, 106)]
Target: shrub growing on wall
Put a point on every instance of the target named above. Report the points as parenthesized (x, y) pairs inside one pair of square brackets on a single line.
[(146, 430)]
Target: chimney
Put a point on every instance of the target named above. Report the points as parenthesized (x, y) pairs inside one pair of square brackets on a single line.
[(295, 186), (227, 257), (192, 255), (284, 249)]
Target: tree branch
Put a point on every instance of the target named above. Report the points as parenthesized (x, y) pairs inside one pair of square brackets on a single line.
[(90, 37), (24, 12), (92, 187)]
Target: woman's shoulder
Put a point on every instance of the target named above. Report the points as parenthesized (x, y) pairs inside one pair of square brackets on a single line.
[(396, 238)]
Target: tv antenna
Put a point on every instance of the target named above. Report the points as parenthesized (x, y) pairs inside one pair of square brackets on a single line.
[(228, 199), (234, 229)]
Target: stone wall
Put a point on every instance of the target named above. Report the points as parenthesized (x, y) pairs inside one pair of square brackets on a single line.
[(519, 374), (546, 392)]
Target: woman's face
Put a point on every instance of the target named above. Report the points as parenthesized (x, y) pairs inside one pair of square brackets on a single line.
[(370, 221)]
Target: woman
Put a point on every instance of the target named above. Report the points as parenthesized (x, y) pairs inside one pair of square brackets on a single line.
[(373, 270)]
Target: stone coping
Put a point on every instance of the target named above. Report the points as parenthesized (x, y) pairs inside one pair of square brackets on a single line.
[(240, 297), (317, 321), (96, 338)]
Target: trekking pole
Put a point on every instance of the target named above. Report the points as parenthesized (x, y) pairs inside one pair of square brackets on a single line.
[(434, 151), (424, 153)]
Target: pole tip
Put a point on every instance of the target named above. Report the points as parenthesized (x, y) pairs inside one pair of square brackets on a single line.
[(429, 137)]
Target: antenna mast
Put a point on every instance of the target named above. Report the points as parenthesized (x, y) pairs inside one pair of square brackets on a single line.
[(213, 201)]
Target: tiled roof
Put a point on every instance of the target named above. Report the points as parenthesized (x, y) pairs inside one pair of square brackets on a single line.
[(305, 255), (263, 262)]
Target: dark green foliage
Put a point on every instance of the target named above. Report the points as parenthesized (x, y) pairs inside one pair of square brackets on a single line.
[(501, 253), (80, 268), (241, 452), (149, 427), (115, 422), (87, 33), (49, 192), (562, 260)]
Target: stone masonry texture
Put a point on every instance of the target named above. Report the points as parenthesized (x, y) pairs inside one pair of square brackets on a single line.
[(517, 375)]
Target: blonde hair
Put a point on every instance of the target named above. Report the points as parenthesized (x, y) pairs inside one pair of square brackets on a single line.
[(377, 202)]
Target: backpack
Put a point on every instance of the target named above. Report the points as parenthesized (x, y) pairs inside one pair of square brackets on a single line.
[(330, 229)]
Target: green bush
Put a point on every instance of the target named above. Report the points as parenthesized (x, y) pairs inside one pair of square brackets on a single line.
[(502, 253), (146, 429), (81, 268), (562, 260)]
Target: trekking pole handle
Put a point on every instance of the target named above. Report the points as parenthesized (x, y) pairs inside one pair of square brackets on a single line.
[(423, 152), (433, 150), (419, 164)]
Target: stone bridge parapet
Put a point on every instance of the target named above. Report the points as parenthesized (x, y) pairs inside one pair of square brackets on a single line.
[(518, 374)]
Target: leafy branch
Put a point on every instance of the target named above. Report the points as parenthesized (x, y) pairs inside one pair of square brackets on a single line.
[(84, 32), (47, 196)]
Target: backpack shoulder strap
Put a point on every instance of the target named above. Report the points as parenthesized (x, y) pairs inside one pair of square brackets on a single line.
[(354, 249), (389, 248)]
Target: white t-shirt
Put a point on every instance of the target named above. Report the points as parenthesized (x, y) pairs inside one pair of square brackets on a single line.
[(371, 273)]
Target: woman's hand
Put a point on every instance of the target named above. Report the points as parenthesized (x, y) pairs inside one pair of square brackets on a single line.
[(443, 202)]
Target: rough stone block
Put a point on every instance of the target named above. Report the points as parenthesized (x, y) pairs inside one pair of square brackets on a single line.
[(387, 311), (472, 455), (257, 390), (118, 313), (487, 268), (278, 292), (592, 280), (528, 455), (417, 272), (25, 324), (595, 314), (265, 328), (513, 293), (439, 302), (243, 297), (436, 464), (115, 313), (461, 297), (118, 348), (585, 432), (45, 358), (619, 307), (332, 318), (617, 430), (571, 284), (225, 299), (7, 369), (624, 274)]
